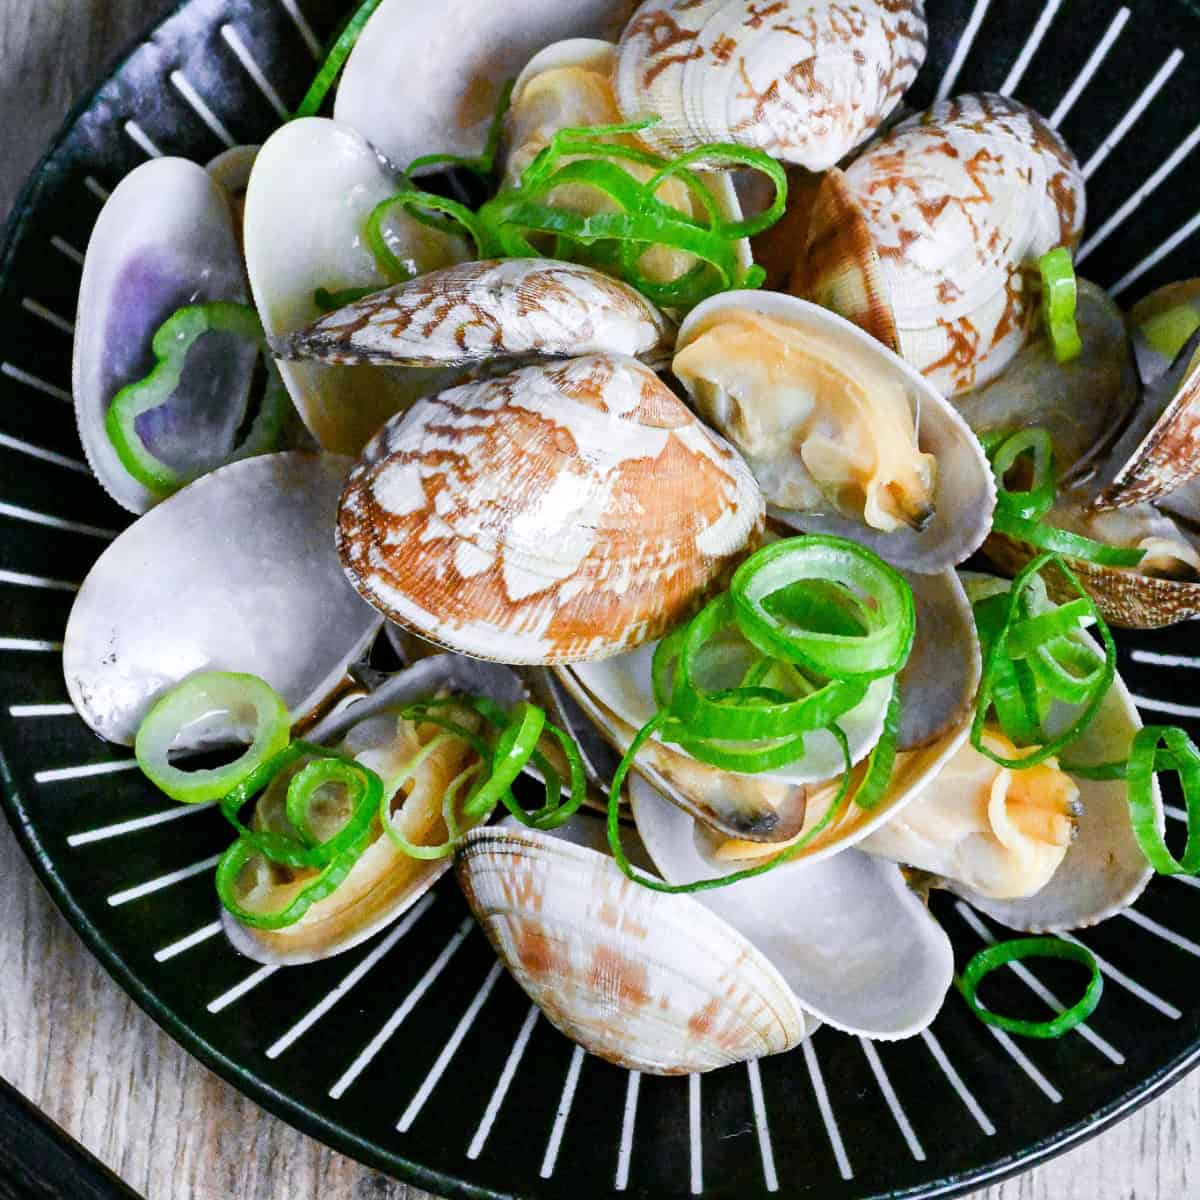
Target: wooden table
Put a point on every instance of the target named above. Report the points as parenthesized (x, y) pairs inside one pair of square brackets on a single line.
[(82, 1051)]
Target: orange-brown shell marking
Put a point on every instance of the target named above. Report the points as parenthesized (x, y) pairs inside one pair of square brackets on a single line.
[(561, 513)]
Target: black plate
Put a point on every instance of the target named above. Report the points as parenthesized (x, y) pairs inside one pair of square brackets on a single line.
[(936, 1115)]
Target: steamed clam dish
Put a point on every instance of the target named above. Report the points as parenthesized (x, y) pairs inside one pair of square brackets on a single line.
[(487, 388)]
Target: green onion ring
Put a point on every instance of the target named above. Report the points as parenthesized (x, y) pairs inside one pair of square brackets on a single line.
[(441, 849), (1060, 295), (514, 748), (993, 957), (365, 787), (1143, 762), (1073, 545), (331, 68), (882, 758)]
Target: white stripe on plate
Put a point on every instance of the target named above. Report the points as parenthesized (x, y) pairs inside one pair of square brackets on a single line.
[(831, 1125), (961, 51), (137, 823), (1156, 256), (19, 579), (449, 1050), (956, 1082), (372, 1048), (36, 518), (1135, 201), (50, 456), (1131, 118), (62, 324), (58, 774), (35, 381), (233, 40), (236, 992), (503, 1083), (1166, 660), (143, 139), (765, 1149), (184, 944), (355, 977), (1030, 48), (1161, 931), (310, 39), (1130, 985), (1043, 993), (183, 85), (41, 710), (695, 1135), (67, 250), (163, 881), (31, 645), (1090, 68), (893, 1101), (1176, 814), (566, 1100), (1018, 1056), (97, 189), (1189, 880), (1150, 704), (628, 1122)]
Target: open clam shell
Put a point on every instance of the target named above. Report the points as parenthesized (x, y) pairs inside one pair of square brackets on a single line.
[(385, 882), (239, 538), (927, 239), (897, 417), (313, 187), (477, 311), (805, 80), (651, 982), (855, 946), (461, 55), (165, 239), (560, 513)]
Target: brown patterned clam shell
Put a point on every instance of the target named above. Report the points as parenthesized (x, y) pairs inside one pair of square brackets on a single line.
[(562, 513), (650, 982), (805, 80), (959, 203), (474, 311)]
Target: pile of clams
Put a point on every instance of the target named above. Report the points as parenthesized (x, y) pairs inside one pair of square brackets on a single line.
[(529, 475)]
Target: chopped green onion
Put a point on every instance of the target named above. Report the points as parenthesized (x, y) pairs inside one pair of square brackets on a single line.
[(246, 698), (514, 748), (882, 758), (328, 301), (1073, 545), (449, 800), (992, 957), (331, 68), (1060, 295), (1144, 813), (421, 204), (1168, 332)]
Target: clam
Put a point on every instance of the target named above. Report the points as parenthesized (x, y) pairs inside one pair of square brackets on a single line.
[(232, 169), (1021, 862), (313, 187), (165, 239), (652, 982), (855, 946), (385, 881), (563, 512), (1163, 323), (930, 239), (461, 54), (508, 308), (842, 435), (805, 80), (208, 581)]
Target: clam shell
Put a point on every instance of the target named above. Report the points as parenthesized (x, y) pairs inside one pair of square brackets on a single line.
[(959, 203), (805, 80), (463, 53), (486, 310), (313, 187), (1152, 364), (232, 169), (856, 947), (964, 492), (165, 239), (561, 513), (207, 581), (651, 982)]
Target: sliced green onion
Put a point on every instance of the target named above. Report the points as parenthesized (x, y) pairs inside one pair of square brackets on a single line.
[(1060, 294), (1168, 332), (200, 698), (328, 301), (441, 849), (514, 748), (421, 205), (365, 788), (331, 68), (882, 758), (1017, 950), (1073, 545), (1143, 762)]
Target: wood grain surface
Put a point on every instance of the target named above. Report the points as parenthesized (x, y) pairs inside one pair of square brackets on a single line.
[(74, 1044)]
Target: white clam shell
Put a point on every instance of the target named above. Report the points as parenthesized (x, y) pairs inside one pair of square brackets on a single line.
[(493, 309), (165, 239), (805, 80), (964, 493), (312, 189), (856, 947), (207, 581), (232, 169), (560, 513), (654, 983), (460, 53)]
